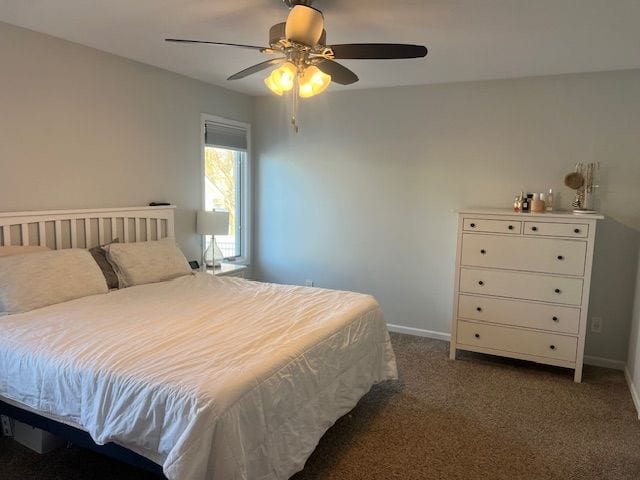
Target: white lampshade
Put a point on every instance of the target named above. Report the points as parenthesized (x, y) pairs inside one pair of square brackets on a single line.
[(212, 223)]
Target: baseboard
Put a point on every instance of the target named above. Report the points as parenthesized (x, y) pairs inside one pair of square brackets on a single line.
[(632, 388), (419, 332), (604, 362)]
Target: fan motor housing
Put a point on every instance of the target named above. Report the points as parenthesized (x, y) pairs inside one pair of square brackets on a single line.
[(293, 3), (304, 25), (277, 33)]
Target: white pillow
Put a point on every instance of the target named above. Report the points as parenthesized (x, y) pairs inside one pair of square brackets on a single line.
[(147, 262), (39, 279), (20, 250)]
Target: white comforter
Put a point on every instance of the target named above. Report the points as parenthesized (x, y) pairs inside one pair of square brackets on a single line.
[(216, 378)]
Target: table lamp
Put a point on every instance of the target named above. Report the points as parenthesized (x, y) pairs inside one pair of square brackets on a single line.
[(211, 223)]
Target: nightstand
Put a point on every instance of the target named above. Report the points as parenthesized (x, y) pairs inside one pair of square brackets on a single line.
[(228, 270)]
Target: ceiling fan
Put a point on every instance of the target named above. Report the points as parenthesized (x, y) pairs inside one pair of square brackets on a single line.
[(307, 63)]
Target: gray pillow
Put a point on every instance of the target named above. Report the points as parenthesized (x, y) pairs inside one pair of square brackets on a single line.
[(147, 262), (36, 280), (100, 256)]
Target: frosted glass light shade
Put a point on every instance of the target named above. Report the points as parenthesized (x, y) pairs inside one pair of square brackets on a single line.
[(212, 223), (281, 79), (313, 82)]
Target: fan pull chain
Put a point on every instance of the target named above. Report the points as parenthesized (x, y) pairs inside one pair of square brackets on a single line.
[(294, 107)]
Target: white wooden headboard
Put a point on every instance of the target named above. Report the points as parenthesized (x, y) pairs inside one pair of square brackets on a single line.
[(86, 228)]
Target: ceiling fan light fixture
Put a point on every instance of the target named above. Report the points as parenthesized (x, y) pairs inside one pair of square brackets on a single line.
[(304, 25), (271, 85), (301, 42), (313, 82), (281, 79)]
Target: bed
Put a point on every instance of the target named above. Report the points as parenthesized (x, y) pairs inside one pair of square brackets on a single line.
[(208, 377)]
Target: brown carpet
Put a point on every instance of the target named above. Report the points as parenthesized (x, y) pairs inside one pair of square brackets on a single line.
[(475, 418)]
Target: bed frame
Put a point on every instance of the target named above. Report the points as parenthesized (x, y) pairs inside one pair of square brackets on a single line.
[(86, 228), (58, 229), (80, 438)]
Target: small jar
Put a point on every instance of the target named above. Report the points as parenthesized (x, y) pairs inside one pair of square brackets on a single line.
[(537, 205)]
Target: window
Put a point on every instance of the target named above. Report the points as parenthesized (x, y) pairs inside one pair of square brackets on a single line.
[(226, 181)]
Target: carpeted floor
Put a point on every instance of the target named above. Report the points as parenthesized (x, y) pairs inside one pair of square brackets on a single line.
[(476, 418)]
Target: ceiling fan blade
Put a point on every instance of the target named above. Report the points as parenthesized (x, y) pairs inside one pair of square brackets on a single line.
[(256, 68), (377, 51), (181, 40), (339, 73)]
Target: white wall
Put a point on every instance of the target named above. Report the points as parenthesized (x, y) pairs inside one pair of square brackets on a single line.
[(83, 128), (364, 197), (633, 361)]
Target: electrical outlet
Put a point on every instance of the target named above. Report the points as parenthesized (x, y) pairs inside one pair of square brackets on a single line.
[(596, 324), (308, 283), (7, 426)]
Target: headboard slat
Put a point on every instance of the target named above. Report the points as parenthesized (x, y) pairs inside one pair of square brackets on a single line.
[(24, 233), (58, 231), (87, 232), (169, 225), (74, 233)]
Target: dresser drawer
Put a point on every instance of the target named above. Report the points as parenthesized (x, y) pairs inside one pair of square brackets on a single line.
[(514, 340), (547, 229), (554, 318), (564, 257), (527, 286), (492, 226)]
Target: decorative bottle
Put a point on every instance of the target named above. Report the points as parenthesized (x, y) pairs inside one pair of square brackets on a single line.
[(549, 201)]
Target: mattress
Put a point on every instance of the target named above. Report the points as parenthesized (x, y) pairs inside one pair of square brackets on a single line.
[(212, 378)]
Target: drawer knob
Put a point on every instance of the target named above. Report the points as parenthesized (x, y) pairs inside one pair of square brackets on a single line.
[(577, 230), (480, 283), (472, 225), (510, 227), (552, 347), (535, 229), (560, 257), (483, 251), (479, 309), (555, 319), (477, 335), (557, 290)]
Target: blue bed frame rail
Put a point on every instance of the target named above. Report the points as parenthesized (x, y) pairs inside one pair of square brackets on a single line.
[(80, 438)]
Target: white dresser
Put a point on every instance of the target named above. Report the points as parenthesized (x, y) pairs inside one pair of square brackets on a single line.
[(522, 285)]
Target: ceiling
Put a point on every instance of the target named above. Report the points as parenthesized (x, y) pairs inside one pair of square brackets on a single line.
[(467, 39)]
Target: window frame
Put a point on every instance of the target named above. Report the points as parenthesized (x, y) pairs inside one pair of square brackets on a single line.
[(244, 185)]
